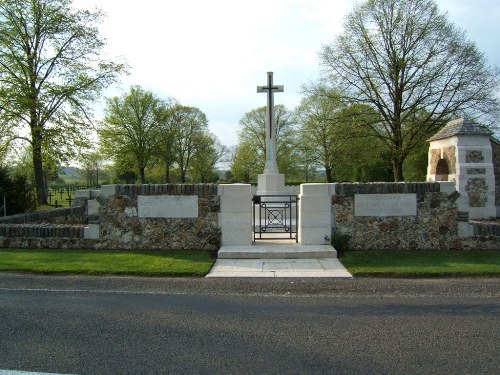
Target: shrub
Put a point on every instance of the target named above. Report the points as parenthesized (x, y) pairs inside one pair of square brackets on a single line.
[(17, 191), (340, 241)]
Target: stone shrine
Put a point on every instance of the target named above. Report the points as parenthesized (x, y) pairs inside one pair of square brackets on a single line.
[(462, 153)]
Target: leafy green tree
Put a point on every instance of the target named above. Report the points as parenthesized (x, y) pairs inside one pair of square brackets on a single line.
[(204, 162), (360, 156), (190, 126), (410, 64), (320, 131), (91, 167), (332, 137), (415, 166), (253, 133), (132, 126), (167, 149), (246, 163), (23, 164), (7, 136), (50, 72)]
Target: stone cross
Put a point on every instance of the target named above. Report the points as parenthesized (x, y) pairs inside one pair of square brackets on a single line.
[(271, 166)]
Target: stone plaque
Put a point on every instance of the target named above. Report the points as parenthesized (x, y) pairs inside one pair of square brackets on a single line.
[(167, 206), (385, 205)]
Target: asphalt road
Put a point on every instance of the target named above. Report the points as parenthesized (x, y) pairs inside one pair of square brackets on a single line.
[(118, 325)]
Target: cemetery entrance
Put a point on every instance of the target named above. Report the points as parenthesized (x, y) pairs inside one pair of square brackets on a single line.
[(275, 217)]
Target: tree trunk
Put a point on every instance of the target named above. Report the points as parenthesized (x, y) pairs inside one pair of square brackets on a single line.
[(143, 175), (41, 194), (328, 172), (397, 166), (167, 173)]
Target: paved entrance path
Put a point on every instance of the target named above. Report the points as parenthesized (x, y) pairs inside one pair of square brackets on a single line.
[(278, 259)]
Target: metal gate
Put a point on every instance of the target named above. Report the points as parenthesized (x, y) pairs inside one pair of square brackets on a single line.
[(275, 217)]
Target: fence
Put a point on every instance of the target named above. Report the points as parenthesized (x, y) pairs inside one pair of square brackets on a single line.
[(55, 194)]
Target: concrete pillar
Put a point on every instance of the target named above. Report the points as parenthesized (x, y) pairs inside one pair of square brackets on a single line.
[(315, 213), (235, 217)]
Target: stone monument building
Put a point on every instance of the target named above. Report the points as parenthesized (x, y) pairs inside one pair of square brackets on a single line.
[(465, 153)]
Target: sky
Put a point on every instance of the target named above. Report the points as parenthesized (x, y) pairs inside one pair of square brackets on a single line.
[(213, 54)]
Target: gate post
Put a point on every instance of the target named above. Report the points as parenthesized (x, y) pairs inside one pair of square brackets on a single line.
[(235, 217), (315, 214)]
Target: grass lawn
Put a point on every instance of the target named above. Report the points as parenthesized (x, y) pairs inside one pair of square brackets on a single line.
[(422, 263), (112, 262)]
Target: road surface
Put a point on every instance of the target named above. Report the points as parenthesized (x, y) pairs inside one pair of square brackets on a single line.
[(111, 325)]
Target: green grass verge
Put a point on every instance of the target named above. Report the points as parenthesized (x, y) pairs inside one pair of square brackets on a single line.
[(422, 263), (99, 262)]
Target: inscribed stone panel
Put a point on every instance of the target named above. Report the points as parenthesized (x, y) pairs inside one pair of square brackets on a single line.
[(385, 205), (167, 206)]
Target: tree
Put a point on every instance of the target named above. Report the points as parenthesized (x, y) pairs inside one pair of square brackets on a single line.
[(190, 125), (91, 167), (331, 137), (7, 136), (209, 152), (405, 59), (132, 125), (23, 164), (253, 133), (50, 71), (319, 131), (17, 192), (360, 155), (167, 152), (246, 163)]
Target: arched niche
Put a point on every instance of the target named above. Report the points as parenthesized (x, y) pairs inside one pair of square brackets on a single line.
[(442, 170)]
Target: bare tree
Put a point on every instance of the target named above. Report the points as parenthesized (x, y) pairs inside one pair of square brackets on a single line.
[(407, 61)]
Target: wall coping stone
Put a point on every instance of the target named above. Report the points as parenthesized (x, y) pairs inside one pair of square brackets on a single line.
[(347, 189), (38, 216), (133, 190)]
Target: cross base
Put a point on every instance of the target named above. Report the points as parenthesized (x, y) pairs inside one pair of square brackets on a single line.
[(271, 184)]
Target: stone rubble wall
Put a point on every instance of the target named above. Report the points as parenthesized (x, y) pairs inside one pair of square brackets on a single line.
[(437, 225), (121, 228), (118, 222), (485, 236), (59, 228)]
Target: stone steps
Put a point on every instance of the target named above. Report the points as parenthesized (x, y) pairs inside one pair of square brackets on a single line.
[(273, 250)]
